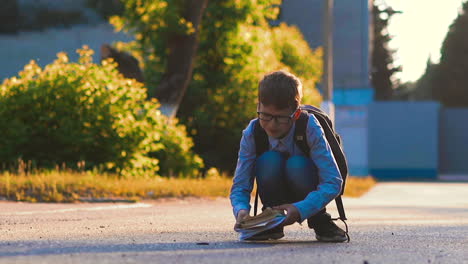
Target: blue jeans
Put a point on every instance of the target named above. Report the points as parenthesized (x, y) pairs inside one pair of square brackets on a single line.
[(284, 180)]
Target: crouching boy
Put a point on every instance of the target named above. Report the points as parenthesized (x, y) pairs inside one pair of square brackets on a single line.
[(301, 184)]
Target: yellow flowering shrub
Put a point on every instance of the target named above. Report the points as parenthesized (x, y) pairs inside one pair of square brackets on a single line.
[(67, 113)]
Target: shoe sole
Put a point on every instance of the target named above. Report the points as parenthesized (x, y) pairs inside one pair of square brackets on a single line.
[(331, 239), (274, 236)]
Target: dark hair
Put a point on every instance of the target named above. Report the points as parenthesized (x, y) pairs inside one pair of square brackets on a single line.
[(280, 89)]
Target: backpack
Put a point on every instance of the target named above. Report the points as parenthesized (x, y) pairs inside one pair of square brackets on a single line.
[(334, 140)]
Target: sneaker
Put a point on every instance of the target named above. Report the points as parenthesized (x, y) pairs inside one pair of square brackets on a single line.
[(326, 230), (274, 233)]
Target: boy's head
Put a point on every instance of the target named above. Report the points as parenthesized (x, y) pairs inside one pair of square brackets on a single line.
[(280, 89), (279, 96)]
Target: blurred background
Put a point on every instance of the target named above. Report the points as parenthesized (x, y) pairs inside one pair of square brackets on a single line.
[(178, 79)]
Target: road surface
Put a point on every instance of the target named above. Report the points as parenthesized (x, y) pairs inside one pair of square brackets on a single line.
[(393, 223)]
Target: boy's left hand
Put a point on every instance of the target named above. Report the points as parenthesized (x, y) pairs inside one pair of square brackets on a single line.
[(292, 214)]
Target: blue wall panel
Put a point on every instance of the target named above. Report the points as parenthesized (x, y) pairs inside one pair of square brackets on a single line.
[(351, 40), (403, 140), (454, 141)]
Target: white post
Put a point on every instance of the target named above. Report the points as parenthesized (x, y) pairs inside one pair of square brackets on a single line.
[(329, 108)]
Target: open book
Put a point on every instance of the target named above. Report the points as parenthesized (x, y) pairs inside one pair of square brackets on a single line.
[(253, 225)]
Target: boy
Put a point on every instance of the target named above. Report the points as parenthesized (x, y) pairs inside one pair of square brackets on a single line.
[(301, 184)]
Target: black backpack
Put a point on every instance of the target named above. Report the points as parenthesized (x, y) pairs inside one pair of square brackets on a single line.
[(334, 140)]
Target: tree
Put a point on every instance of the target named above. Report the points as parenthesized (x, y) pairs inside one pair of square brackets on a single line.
[(166, 32), (126, 63), (236, 48), (424, 87), (182, 50), (382, 57), (222, 96), (451, 78)]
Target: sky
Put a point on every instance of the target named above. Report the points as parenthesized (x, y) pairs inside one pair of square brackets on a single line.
[(419, 32)]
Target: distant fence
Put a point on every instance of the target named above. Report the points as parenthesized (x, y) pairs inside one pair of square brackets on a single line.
[(351, 124), (403, 139), (453, 158), (410, 140)]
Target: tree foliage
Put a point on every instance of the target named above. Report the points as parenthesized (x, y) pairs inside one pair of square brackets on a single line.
[(450, 78), (382, 57), (423, 89), (223, 94), (236, 47), (152, 23)]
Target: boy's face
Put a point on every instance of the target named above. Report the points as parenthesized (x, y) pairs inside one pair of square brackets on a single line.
[(276, 122)]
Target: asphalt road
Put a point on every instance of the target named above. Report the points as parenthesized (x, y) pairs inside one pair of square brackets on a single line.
[(393, 223)]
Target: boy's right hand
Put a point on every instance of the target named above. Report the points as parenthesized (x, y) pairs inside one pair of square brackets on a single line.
[(240, 216)]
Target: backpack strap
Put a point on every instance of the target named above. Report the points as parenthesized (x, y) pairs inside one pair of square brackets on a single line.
[(261, 145), (335, 144), (300, 137), (261, 139)]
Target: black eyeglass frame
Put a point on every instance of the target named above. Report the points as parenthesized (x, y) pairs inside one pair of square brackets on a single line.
[(286, 119)]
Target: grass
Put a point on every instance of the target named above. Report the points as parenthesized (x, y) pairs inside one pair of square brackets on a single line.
[(357, 186), (69, 186)]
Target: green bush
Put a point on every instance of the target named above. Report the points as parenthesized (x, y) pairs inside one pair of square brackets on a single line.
[(176, 157), (72, 112)]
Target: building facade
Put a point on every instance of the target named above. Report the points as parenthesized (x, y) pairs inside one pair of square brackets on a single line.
[(352, 92)]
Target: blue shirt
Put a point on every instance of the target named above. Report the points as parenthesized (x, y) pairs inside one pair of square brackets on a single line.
[(330, 180)]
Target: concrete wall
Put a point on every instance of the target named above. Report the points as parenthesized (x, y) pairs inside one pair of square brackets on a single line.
[(351, 124), (403, 140), (53, 4), (351, 50), (29, 9), (42, 46), (351, 47)]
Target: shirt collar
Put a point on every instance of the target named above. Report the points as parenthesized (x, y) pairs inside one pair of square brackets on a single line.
[(274, 142)]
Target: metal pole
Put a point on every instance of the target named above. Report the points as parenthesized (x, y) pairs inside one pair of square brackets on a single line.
[(327, 81), (328, 48)]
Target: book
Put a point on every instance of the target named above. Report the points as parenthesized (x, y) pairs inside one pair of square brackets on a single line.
[(253, 225)]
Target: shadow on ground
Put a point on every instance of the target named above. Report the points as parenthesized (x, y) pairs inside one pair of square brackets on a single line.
[(40, 248)]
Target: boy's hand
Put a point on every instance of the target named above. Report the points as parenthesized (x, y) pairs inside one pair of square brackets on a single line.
[(240, 216), (292, 214)]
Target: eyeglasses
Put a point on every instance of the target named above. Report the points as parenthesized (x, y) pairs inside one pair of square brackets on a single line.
[(280, 119)]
